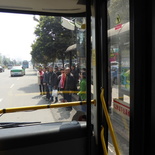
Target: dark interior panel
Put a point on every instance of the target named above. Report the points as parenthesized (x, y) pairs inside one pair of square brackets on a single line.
[(48, 138)]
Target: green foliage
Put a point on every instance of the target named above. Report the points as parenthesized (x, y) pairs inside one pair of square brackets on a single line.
[(5, 61), (52, 40)]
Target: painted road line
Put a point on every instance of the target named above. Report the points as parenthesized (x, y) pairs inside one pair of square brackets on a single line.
[(24, 94), (12, 85)]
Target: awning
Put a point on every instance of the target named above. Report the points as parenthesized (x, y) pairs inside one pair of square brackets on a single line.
[(70, 48), (68, 24)]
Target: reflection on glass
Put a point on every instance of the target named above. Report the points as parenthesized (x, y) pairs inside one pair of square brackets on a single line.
[(119, 64)]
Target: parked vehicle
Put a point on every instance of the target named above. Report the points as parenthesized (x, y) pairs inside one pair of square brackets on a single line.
[(1, 69)]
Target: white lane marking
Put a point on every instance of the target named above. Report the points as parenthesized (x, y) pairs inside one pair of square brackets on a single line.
[(1, 99), (12, 85)]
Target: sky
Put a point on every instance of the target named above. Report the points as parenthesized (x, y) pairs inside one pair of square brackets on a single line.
[(16, 35)]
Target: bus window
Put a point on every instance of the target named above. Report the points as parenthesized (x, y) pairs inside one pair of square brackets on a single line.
[(47, 44), (119, 60)]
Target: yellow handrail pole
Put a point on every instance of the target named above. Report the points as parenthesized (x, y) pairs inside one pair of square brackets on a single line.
[(103, 142), (109, 122), (37, 107)]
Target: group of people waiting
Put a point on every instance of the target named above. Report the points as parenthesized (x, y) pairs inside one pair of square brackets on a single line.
[(65, 80)]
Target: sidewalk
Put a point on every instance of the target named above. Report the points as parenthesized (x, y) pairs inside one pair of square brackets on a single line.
[(61, 114)]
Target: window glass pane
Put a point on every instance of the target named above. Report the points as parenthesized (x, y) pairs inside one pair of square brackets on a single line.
[(38, 55), (119, 62)]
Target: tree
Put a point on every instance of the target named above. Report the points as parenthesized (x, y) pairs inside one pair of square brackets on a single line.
[(52, 40), (6, 61)]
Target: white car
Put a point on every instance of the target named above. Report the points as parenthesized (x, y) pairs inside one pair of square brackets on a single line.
[(17, 71)]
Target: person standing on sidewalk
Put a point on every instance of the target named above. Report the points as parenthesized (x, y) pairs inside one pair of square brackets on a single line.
[(40, 74), (82, 93), (75, 73), (70, 85), (45, 82), (52, 83), (57, 72), (81, 110), (61, 82)]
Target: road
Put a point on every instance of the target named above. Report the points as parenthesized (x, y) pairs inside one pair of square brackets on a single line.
[(24, 91)]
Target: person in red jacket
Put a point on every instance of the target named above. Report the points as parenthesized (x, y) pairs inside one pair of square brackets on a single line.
[(40, 75)]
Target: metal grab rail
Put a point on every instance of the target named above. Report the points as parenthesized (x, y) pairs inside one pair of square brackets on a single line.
[(70, 91), (67, 91), (103, 142), (58, 92), (37, 107), (109, 125)]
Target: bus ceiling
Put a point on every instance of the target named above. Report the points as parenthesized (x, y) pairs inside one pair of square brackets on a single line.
[(51, 7)]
